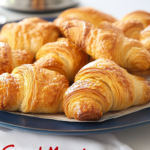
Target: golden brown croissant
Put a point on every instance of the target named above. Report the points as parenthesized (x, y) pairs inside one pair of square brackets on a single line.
[(9, 59), (84, 13), (145, 37), (62, 56), (107, 42), (103, 86), (32, 89), (30, 36), (131, 28), (140, 16)]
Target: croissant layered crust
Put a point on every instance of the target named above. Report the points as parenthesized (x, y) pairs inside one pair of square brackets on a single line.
[(107, 42), (62, 56), (9, 59), (32, 89), (84, 13), (28, 35), (131, 28), (103, 86)]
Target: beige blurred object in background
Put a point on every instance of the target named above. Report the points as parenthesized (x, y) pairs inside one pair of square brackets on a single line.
[(37, 5)]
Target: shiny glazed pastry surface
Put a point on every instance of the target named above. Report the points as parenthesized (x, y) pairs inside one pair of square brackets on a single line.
[(107, 42), (62, 56), (103, 86), (30, 34), (9, 59), (84, 13), (32, 89)]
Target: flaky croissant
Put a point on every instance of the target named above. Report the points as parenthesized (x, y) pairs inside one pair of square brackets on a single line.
[(62, 56), (32, 89), (131, 28), (103, 86), (140, 16), (145, 37), (107, 42), (9, 59), (84, 13), (28, 35)]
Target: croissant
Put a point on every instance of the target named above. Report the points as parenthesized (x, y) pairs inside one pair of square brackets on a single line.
[(131, 28), (84, 13), (9, 59), (107, 42), (32, 89), (62, 56), (140, 16), (145, 37), (103, 86), (30, 36)]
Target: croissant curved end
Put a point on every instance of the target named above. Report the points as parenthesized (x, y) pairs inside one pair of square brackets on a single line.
[(86, 110)]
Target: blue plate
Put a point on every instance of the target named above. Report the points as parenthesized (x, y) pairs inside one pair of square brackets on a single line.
[(47, 126)]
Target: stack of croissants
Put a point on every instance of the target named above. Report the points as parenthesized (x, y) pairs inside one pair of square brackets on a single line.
[(84, 64)]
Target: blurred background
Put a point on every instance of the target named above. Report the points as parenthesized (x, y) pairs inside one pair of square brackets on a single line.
[(11, 10)]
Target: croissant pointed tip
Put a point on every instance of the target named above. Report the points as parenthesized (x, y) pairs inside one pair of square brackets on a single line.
[(85, 110)]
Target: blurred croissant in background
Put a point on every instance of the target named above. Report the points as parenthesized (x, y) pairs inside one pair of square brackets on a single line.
[(140, 16), (131, 24), (103, 86), (84, 13), (131, 28)]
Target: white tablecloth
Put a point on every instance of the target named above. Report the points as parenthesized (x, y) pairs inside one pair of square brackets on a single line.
[(20, 140)]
